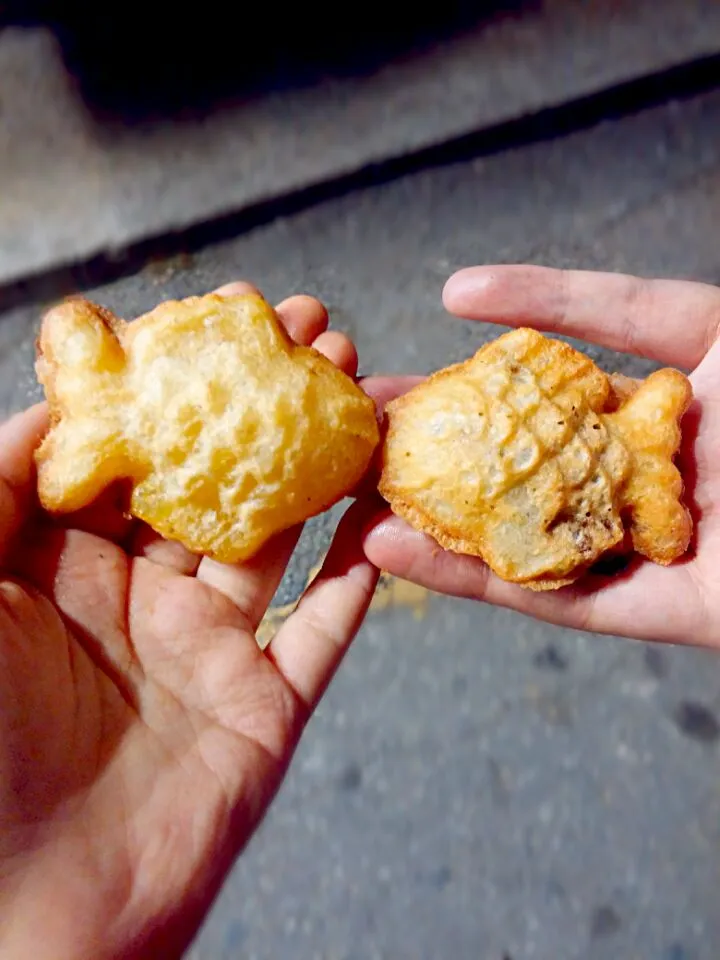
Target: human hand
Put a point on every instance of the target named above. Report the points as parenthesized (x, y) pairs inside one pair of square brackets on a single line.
[(673, 322), (143, 732)]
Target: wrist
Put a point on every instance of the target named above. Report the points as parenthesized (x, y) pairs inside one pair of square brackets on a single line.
[(50, 917), (55, 911)]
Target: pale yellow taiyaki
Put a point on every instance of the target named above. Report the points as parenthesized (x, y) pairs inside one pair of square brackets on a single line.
[(227, 431), (527, 456)]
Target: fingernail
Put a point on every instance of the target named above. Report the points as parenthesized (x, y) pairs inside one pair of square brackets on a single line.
[(469, 280), (386, 526), (376, 522)]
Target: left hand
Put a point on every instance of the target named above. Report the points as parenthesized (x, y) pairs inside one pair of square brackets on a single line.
[(143, 732)]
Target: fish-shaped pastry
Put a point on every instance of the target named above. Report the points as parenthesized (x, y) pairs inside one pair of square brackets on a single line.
[(531, 457), (226, 431)]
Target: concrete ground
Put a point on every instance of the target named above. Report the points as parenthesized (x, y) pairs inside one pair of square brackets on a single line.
[(477, 785)]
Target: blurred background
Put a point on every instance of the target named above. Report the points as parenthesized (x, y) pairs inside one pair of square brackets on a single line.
[(474, 785)]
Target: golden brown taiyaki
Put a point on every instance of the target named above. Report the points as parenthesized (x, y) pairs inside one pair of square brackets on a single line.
[(227, 430), (528, 456)]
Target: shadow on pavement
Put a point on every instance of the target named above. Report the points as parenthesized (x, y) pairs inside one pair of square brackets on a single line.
[(134, 62)]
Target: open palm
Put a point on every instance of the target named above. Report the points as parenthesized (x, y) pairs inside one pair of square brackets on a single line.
[(143, 732), (673, 322)]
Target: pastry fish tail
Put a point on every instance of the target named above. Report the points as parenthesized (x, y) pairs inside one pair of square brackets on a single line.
[(649, 424), (80, 363)]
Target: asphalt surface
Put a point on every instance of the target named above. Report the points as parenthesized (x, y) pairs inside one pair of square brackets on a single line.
[(477, 785)]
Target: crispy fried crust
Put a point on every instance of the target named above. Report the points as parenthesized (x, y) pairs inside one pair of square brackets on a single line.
[(228, 431), (513, 456)]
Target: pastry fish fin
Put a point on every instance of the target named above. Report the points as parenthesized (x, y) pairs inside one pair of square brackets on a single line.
[(79, 358), (649, 425)]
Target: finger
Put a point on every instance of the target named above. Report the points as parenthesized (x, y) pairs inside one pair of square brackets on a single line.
[(251, 585), (340, 349), (672, 321), (305, 318), (164, 553), (384, 389), (599, 604), (19, 437), (311, 643)]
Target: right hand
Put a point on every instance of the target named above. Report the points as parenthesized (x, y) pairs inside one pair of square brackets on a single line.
[(673, 322)]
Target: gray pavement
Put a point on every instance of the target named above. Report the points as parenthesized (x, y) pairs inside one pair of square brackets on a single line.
[(476, 785), (72, 187)]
